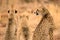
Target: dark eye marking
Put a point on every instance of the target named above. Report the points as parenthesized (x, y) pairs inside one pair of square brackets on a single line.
[(15, 11), (8, 11), (37, 12)]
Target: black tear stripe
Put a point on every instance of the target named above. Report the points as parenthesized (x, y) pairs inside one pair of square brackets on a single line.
[(25, 32), (8, 32)]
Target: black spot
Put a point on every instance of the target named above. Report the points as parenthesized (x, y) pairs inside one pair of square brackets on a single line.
[(10, 21), (46, 15), (8, 11), (15, 11), (37, 12), (25, 31)]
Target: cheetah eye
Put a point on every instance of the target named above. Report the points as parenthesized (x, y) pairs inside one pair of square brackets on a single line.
[(15, 11), (37, 12), (8, 11)]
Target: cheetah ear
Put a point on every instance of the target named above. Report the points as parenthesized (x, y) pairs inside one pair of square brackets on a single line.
[(45, 12)]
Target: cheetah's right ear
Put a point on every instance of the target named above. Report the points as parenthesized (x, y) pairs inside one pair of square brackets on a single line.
[(45, 12)]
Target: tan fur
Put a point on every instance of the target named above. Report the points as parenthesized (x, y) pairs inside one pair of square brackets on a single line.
[(44, 30)]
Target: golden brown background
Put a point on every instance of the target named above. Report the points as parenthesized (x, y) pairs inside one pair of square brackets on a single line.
[(52, 5)]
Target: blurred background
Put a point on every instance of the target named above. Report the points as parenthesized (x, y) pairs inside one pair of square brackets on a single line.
[(53, 7)]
